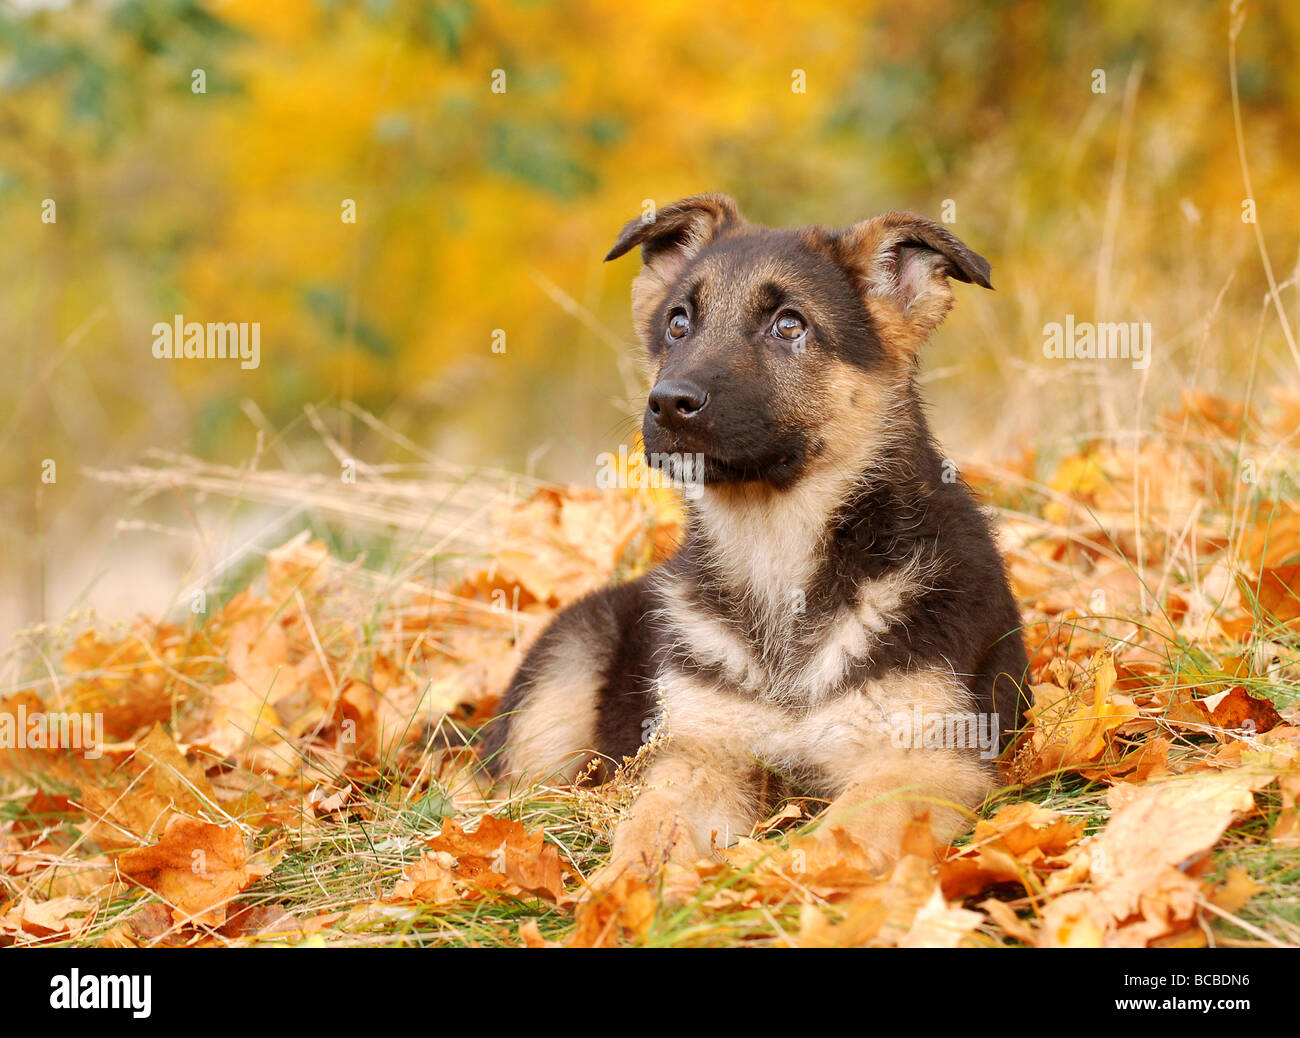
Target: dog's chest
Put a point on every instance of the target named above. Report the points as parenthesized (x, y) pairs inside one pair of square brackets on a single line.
[(830, 739), (794, 652), (778, 603)]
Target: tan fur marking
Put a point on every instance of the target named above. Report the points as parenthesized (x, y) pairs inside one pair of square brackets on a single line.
[(711, 640), (907, 300), (903, 785), (849, 637), (741, 517), (835, 736), (648, 290), (881, 786), (694, 796), (771, 539), (706, 216), (555, 727), (790, 526)]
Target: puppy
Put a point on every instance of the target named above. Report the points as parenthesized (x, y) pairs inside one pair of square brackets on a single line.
[(837, 621)]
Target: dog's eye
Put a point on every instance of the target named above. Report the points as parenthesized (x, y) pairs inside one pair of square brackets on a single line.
[(789, 326), (678, 325)]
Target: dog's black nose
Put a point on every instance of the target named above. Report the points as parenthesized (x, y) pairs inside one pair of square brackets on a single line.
[(674, 402)]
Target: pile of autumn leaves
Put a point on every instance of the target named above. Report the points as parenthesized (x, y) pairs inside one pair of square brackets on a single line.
[(1152, 631)]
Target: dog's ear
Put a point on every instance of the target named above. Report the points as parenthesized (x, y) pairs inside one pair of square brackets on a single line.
[(901, 263), (669, 238), (680, 229)]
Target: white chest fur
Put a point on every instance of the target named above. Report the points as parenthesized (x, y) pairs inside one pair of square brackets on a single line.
[(835, 735), (793, 659)]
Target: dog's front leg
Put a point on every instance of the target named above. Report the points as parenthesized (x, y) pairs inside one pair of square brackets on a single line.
[(692, 798), (896, 787)]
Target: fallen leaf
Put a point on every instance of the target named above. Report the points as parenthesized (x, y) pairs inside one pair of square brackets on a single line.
[(1241, 714), (1014, 846), (1004, 916), (1155, 829), (501, 856), (531, 935), (623, 908), (905, 909), (153, 924), (1150, 760), (1072, 730), (244, 921), (938, 924), (1236, 889), (1286, 827), (160, 781), (60, 916), (428, 880), (197, 868), (1073, 920)]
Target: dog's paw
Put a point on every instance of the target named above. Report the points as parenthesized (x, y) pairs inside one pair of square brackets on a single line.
[(855, 849)]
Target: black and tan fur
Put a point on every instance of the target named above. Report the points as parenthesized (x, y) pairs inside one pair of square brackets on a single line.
[(830, 578)]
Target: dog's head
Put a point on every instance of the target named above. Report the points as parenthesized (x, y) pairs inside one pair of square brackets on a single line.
[(775, 350)]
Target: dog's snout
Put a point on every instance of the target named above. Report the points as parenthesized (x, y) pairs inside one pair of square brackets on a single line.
[(674, 402)]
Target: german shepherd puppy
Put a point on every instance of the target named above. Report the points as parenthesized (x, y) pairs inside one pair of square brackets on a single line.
[(838, 619)]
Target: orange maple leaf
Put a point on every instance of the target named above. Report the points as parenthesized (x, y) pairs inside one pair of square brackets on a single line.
[(197, 868)]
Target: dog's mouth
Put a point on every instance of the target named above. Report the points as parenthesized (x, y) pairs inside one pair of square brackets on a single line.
[(706, 467), (727, 448), (720, 470)]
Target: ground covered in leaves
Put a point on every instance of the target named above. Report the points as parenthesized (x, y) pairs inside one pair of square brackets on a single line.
[(289, 765)]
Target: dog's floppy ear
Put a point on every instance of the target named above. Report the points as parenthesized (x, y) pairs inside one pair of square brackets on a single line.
[(902, 263), (669, 238), (683, 227)]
